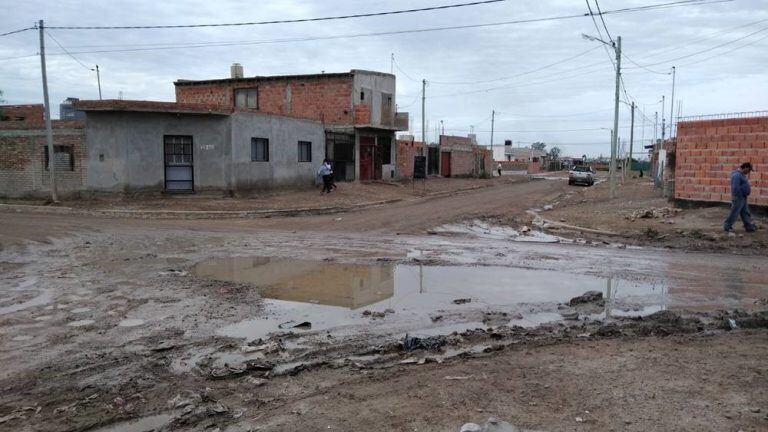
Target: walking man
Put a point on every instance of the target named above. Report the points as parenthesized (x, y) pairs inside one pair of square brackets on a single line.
[(739, 193), (498, 168)]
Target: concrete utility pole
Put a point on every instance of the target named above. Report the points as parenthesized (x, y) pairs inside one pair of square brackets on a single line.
[(655, 127), (663, 124), (48, 129), (424, 124), (631, 139), (672, 105), (614, 144), (392, 63), (98, 80), (493, 122)]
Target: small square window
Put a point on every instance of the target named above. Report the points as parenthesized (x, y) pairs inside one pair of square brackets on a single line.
[(305, 151), (259, 150), (247, 98), (63, 158)]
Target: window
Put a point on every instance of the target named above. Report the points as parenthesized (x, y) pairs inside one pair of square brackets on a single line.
[(259, 150), (178, 149), (63, 158), (305, 151), (247, 98)]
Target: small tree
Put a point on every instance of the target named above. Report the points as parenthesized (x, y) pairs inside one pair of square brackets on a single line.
[(554, 153), (538, 146)]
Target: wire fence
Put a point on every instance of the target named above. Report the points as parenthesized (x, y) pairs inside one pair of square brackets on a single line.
[(746, 114)]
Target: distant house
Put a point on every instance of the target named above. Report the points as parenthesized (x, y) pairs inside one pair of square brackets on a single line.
[(523, 154)]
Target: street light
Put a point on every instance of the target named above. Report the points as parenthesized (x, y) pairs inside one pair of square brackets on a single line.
[(614, 143)]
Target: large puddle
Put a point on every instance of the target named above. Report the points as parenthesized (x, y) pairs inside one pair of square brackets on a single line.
[(303, 296)]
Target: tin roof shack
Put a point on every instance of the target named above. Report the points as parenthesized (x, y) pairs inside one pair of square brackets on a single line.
[(24, 162), (709, 147), (173, 147), (357, 109)]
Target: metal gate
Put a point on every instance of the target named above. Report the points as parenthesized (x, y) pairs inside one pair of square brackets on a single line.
[(179, 176)]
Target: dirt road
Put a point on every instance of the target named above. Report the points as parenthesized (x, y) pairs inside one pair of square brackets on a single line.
[(298, 323)]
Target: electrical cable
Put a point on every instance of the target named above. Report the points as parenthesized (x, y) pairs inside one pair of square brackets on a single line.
[(283, 21), (599, 12), (68, 53), (17, 31)]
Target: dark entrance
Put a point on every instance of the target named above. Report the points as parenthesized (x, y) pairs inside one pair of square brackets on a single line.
[(340, 149), (433, 160), (179, 176)]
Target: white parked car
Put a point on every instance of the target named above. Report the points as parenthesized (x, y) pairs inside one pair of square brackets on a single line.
[(581, 174)]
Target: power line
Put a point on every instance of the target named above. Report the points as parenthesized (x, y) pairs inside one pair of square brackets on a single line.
[(600, 34), (397, 66), (68, 53), (283, 21), (519, 74), (643, 67), (610, 38), (17, 31), (726, 52)]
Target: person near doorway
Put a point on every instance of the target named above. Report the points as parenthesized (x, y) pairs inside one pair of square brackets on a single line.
[(498, 169), (326, 172), (740, 190)]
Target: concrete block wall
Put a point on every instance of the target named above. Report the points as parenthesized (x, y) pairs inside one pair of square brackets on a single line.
[(462, 162), (708, 150), (406, 150)]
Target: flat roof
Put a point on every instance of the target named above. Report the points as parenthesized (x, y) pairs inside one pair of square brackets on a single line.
[(149, 106), (351, 73)]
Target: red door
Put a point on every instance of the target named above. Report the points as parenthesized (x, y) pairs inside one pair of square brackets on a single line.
[(445, 164), (366, 157)]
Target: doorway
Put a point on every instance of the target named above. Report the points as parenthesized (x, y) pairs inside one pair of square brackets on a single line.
[(445, 164), (367, 146), (179, 175)]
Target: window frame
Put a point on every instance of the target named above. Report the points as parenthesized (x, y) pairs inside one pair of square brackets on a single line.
[(308, 144), (254, 149), (70, 150), (247, 91)]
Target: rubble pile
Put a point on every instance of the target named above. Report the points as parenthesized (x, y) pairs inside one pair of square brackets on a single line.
[(653, 213)]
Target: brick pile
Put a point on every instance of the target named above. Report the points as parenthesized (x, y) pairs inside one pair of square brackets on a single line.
[(708, 150)]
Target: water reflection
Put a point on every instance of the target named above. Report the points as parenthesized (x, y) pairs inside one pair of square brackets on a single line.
[(318, 282)]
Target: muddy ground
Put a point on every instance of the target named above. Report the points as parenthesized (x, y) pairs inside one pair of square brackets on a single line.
[(130, 325)]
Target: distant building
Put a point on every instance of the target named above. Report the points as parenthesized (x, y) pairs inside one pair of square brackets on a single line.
[(67, 110)]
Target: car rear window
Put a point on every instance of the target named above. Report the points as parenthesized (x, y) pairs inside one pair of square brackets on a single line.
[(581, 169)]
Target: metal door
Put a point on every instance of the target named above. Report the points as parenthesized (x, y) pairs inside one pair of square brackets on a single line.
[(179, 175), (367, 145), (445, 164)]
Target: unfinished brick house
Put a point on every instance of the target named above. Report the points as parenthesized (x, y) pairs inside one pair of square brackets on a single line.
[(357, 109), (708, 148), (24, 161)]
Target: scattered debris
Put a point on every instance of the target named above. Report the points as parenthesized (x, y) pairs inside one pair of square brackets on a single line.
[(305, 325), (459, 301), (458, 378), (653, 213), (377, 314), (587, 297), (411, 343), (471, 427)]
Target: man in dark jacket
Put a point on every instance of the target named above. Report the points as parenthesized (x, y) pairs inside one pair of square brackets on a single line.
[(739, 193)]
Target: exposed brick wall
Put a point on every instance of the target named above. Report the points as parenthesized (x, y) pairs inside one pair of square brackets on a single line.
[(514, 166), (406, 150), (327, 99), (22, 160), (462, 163), (12, 116), (484, 160), (362, 114), (707, 151)]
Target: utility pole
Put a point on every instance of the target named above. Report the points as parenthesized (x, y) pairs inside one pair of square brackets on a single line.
[(614, 143), (663, 124), (631, 138), (392, 63), (98, 80), (655, 127), (48, 129), (424, 124), (672, 105), (493, 122)]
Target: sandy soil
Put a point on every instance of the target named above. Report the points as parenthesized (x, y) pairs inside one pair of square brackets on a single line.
[(104, 324)]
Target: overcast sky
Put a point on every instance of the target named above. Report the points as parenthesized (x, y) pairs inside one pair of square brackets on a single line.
[(569, 104)]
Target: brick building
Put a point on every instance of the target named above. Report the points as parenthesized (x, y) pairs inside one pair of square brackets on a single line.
[(708, 148), (406, 150), (462, 157), (24, 161), (357, 108)]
